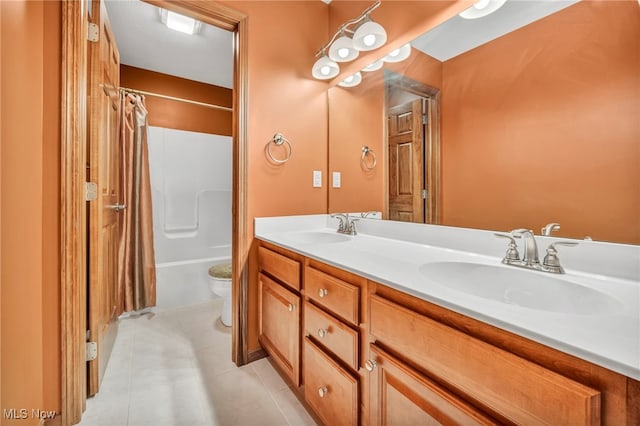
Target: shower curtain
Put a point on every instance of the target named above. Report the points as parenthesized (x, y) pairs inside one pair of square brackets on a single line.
[(137, 273)]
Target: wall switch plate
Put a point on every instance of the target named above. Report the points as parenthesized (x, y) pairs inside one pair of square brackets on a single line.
[(336, 179), (317, 179)]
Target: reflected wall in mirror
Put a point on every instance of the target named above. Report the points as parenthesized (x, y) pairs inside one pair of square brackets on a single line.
[(539, 125)]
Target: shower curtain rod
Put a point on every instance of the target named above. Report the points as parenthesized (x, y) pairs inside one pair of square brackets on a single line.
[(173, 98)]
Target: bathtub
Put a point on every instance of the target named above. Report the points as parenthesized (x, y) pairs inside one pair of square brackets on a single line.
[(185, 282)]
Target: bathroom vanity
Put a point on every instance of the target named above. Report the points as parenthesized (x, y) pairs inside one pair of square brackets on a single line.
[(359, 326)]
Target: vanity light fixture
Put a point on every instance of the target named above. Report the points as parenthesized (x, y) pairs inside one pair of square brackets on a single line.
[(325, 68), (343, 50), (482, 8), (355, 35), (352, 80), (370, 35), (398, 55), (178, 22), (374, 66)]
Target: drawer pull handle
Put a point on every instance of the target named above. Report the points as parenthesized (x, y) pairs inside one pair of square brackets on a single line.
[(370, 365), (322, 332), (323, 391), (323, 292), (291, 306)]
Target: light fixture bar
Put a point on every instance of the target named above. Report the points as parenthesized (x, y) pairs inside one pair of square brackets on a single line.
[(344, 27)]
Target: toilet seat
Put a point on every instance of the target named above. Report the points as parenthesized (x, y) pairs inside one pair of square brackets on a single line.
[(221, 271)]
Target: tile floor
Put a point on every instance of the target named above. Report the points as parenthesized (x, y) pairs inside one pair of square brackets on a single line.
[(174, 368)]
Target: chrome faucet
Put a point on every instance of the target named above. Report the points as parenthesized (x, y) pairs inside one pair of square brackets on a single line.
[(347, 224), (530, 260), (530, 256)]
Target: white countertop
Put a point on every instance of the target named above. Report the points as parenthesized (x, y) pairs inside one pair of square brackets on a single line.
[(391, 253)]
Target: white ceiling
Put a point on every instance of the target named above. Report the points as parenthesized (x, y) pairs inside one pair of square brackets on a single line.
[(458, 35), (144, 42)]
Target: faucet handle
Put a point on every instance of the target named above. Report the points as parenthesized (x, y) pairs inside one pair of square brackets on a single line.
[(512, 250), (351, 227), (517, 233), (551, 260), (548, 228), (342, 217)]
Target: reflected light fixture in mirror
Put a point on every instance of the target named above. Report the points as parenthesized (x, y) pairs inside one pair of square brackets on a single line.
[(352, 80), (482, 8), (398, 55), (325, 68), (342, 50), (180, 23), (375, 66)]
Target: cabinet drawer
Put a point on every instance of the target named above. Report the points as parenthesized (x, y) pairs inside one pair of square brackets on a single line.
[(280, 266), (279, 326), (332, 334), (336, 295), (399, 395), (509, 386), (329, 389)]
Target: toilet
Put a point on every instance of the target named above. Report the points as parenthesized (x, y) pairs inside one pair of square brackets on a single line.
[(220, 284)]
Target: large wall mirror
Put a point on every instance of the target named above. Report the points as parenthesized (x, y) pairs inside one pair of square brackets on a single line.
[(532, 116)]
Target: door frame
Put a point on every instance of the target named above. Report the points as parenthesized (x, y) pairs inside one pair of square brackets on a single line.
[(432, 144), (73, 270)]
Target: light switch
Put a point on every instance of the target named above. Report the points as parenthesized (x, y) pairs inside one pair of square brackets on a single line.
[(336, 179), (317, 179)]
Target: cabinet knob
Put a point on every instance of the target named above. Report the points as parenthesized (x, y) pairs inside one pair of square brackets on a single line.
[(290, 307), (323, 292), (322, 332), (323, 391), (370, 365)]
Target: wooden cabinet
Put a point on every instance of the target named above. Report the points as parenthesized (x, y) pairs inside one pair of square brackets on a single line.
[(399, 395), (324, 326), (280, 310)]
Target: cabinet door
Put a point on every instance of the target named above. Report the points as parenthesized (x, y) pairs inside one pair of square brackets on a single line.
[(401, 396), (280, 326)]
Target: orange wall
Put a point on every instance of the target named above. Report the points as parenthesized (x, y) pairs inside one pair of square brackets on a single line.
[(180, 115), (283, 97), (562, 137), (30, 218)]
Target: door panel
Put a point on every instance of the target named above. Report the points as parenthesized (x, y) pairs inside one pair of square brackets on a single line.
[(104, 170), (406, 162)]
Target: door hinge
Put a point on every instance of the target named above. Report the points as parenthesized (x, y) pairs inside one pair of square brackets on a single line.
[(92, 351), (425, 193), (90, 191), (93, 32), (424, 119)]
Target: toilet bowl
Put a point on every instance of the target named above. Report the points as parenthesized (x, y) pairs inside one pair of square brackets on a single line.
[(220, 284)]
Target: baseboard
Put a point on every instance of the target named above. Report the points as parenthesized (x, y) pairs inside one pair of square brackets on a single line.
[(256, 355)]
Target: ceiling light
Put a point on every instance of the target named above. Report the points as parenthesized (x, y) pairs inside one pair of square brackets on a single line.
[(374, 66), (370, 35), (482, 8), (178, 22), (325, 68), (352, 80), (342, 50), (399, 54)]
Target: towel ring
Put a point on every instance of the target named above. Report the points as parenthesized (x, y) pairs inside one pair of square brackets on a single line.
[(278, 139), (366, 151)]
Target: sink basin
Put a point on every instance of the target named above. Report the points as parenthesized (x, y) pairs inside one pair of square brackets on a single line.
[(521, 287), (316, 237)]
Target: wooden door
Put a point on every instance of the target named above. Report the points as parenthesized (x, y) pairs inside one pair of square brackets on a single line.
[(104, 171), (406, 162), (279, 328), (401, 396)]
